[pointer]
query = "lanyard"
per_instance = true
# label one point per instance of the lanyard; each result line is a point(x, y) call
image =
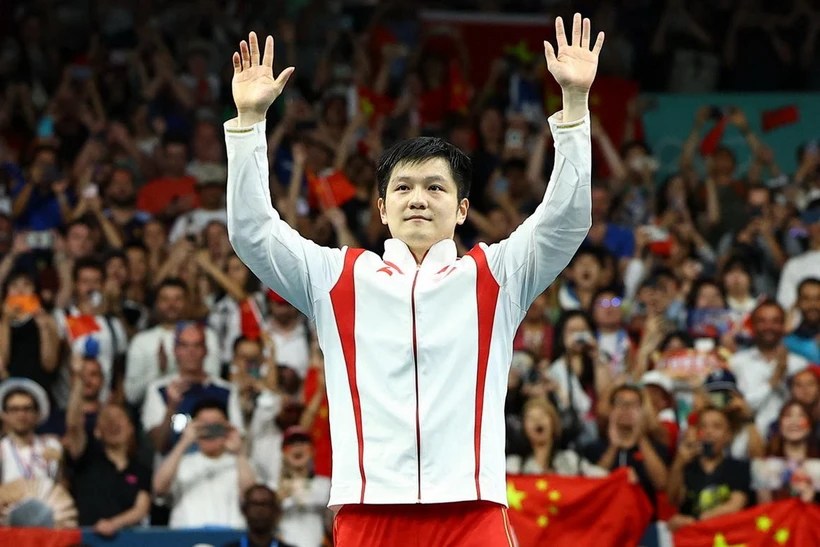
point(26, 469)
point(244, 542)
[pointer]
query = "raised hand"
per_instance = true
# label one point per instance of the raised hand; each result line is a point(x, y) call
point(254, 86)
point(575, 65)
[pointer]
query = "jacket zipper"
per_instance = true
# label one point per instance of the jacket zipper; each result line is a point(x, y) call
point(416, 363)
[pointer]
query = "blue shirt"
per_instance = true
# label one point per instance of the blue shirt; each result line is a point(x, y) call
point(619, 241)
point(42, 211)
point(804, 346)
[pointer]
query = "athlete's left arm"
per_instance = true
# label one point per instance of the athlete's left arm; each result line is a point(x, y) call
point(532, 257)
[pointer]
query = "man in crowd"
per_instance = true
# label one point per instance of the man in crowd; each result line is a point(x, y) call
point(805, 339)
point(206, 485)
point(262, 511)
point(763, 369)
point(151, 354)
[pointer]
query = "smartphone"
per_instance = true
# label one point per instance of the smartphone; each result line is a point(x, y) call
point(213, 431)
point(45, 128)
point(91, 191)
point(95, 298)
point(26, 304)
point(720, 399)
point(707, 450)
point(655, 234)
point(514, 139)
point(583, 337)
point(40, 240)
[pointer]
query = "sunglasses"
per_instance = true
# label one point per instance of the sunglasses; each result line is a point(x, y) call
point(610, 302)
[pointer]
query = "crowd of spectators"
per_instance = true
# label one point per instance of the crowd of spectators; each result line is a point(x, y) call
point(147, 370)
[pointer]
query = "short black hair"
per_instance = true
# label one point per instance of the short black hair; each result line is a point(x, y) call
point(77, 222)
point(420, 149)
point(88, 264)
point(243, 338)
point(20, 391)
point(173, 282)
point(209, 404)
point(806, 282)
point(625, 387)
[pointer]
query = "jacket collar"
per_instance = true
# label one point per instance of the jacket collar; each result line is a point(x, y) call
point(440, 255)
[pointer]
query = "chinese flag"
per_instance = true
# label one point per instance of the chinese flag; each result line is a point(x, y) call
point(788, 523)
point(250, 319)
point(459, 90)
point(712, 139)
point(576, 511)
point(780, 117)
point(320, 428)
point(81, 325)
point(39, 537)
point(329, 190)
point(373, 104)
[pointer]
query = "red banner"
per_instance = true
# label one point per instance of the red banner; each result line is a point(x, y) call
point(575, 511)
point(36, 537)
point(789, 523)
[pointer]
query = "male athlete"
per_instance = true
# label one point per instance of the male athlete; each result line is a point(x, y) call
point(417, 342)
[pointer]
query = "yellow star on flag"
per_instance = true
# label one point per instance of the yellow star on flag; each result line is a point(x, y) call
point(542, 485)
point(553, 510)
point(720, 541)
point(555, 495)
point(781, 536)
point(764, 523)
point(543, 521)
point(515, 497)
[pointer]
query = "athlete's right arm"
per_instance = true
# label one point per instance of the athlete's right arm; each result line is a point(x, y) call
point(282, 259)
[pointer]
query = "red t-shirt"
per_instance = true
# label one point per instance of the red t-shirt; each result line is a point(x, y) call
point(161, 192)
point(320, 430)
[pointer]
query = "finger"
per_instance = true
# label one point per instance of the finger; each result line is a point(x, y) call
point(246, 54)
point(576, 30)
point(586, 32)
point(254, 43)
point(599, 43)
point(284, 76)
point(560, 34)
point(549, 53)
point(267, 59)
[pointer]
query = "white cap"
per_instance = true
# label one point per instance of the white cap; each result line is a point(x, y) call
point(658, 378)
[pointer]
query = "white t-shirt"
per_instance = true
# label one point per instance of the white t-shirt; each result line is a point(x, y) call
point(303, 513)
point(193, 222)
point(41, 460)
point(205, 492)
point(266, 439)
point(293, 348)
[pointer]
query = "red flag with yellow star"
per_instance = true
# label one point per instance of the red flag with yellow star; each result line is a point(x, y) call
point(576, 511)
point(788, 523)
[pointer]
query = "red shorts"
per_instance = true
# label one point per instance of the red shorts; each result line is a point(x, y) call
point(463, 524)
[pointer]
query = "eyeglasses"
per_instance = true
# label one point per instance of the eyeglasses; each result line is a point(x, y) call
point(610, 302)
point(20, 409)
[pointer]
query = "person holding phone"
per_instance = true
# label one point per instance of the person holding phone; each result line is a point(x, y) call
point(704, 482)
point(206, 484)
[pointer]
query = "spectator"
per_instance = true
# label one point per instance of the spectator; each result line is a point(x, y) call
point(291, 335)
point(660, 390)
point(29, 340)
point(803, 266)
point(542, 428)
point(805, 339)
point(174, 192)
point(303, 495)
point(535, 332)
point(111, 489)
point(43, 201)
point(805, 388)
point(783, 474)
point(763, 369)
point(151, 354)
point(628, 444)
point(262, 511)
point(211, 191)
point(704, 482)
point(171, 400)
point(24, 454)
point(121, 198)
point(88, 329)
point(584, 274)
point(206, 485)
point(614, 343)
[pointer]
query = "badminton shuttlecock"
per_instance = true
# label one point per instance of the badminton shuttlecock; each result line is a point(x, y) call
point(37, 502)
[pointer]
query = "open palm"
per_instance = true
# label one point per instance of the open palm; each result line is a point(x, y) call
point(575, 65)
point(254, 87)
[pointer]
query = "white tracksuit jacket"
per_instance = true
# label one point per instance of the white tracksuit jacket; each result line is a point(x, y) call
point(416, 356)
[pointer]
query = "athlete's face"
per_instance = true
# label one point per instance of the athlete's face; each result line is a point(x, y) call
point(421, 205)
